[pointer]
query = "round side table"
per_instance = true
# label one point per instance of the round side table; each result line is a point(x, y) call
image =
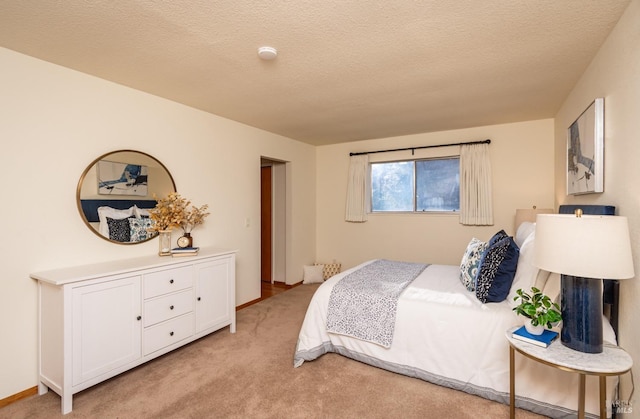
point(612, 361)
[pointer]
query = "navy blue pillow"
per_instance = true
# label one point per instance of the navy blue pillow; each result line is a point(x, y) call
point(497, 270)
point(497, 237)
point(493, 240)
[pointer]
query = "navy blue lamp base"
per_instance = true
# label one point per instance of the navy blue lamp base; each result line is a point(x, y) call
point(581, 314)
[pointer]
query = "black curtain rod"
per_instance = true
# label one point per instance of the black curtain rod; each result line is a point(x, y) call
point(417, 148)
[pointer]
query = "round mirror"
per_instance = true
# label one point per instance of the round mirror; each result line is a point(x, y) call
point(116, 191)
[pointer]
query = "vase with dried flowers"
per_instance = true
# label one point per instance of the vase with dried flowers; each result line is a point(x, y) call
point(173, 211)
point(165, 216)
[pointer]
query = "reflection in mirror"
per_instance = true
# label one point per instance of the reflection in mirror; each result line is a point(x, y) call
point(116, 191)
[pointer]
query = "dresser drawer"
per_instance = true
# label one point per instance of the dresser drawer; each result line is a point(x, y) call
point(167, 333)
point(168, 306)
point(169, 280)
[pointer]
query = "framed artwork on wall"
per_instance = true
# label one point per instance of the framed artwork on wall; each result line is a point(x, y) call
point(115, 178)
point(585, 151)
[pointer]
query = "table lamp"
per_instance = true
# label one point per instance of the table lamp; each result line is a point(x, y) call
point(584, 249)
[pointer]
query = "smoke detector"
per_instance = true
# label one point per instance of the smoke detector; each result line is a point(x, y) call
point(267, 53)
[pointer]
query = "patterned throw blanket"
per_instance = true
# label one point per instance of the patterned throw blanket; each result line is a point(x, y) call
point(363, 304)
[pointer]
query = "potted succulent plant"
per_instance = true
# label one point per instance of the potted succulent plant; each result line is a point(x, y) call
point(538, 308)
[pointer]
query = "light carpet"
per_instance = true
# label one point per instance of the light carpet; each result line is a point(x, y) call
point(250, 374)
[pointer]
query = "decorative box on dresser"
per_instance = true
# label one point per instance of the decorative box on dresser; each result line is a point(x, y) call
point(97, 321)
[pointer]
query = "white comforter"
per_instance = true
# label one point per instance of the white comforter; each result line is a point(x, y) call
point(444, 335)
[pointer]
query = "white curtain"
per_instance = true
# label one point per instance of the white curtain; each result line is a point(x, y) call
point(357, 189)
point(476, 206)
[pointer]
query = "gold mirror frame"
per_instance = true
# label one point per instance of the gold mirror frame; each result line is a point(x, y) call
point(160, 183)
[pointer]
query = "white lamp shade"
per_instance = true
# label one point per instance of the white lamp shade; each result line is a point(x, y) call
point(589, 246)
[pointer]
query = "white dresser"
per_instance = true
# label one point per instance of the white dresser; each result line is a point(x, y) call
point(97, 321)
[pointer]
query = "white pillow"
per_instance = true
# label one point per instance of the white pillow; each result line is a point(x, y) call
point(312, 274)
point(525, 229)
point(541, 279)
point(526, 272)
point(608, 334)
point(552, 287)
point(116, 214)
point(140, 212)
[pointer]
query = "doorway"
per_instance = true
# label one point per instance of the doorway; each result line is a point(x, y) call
point(272, 221)
point(266, 225)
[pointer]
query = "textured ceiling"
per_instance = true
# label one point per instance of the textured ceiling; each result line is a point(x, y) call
point(346, 69)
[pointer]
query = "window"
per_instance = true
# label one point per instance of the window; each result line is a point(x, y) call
point(431, 185)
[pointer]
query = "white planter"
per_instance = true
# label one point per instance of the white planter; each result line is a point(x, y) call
point(534, 330)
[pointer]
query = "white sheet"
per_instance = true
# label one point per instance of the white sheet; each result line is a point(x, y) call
point(446, 336)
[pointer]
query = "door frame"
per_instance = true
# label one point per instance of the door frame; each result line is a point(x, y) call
point(280, 219)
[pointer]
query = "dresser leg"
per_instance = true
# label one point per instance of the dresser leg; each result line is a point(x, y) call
point(42, 388)
point(67, 403)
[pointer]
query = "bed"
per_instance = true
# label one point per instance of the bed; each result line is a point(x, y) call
point(445, 335)
point(121, 220)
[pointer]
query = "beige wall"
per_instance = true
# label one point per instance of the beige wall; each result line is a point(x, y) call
point(522, 167)
point(55, 121)
point(614, 74)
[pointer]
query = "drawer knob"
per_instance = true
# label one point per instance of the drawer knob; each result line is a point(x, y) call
point(139, 318)
point(170, 307)
point(170, 333)
point(199, 298)
point(171, 281)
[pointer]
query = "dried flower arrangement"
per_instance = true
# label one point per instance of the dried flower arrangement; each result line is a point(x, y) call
point(173, 211)
point(192, 217)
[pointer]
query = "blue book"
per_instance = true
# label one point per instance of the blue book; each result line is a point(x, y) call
point(543, 340)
